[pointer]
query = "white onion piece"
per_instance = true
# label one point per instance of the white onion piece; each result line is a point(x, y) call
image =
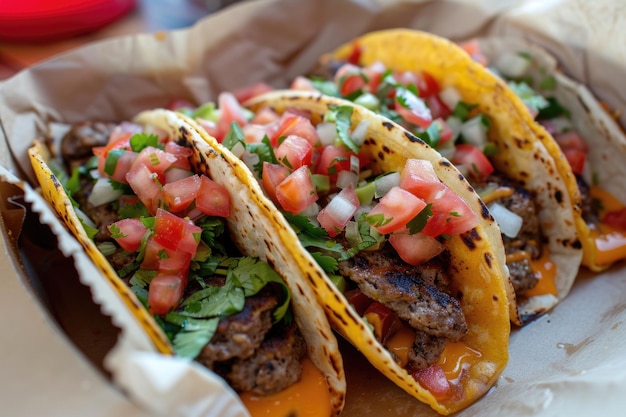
point(238, 149)
point(175, 174)
point(311, 211)
point(345, 178)
point(250, 159)
point(474, 132)
point(359, 133)
point(94, 173)
point(455, 124)
point(510, 223)
point(327, 132)
point(386, 183)
point(85, 218)
point(103, 193)
point(352, 233)
point(362, 209)
point(450, 96)
point(512, 65)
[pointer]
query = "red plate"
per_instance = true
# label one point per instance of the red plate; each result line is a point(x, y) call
point(45, 20)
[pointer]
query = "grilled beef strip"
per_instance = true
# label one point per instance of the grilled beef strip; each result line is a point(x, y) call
point(247, 349)
point(418, 295)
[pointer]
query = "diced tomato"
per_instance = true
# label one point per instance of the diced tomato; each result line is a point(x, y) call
point(294, 151)
point(246, 93)
point(153, 254)
point(332, 160)
point(438, 109)
point(474, 159)
point(302, 83)
point(254, 133)
point(182, 154)
point(175, 233)
point(576, 159)
point(381, 317)
point(445, 132)
point(412, 108)
point(265, 116)
point(119, 139)
point(349, 79)
point(374, 74)
point(128, 234)
point(156, 160)
point(472, 47)
point(273, 174)
point(397, 207)
point(434, 380)
point(164, 293)
point(178, 195)
point(419, 178)
point(334, 217)
point(616, 219)
point(294, 124)
point(209, 127)
point(213, 199)
point(358, 300)
point(146, 186)
point(176, 264)
point(416, 248)
point(355, 54)
point(426, 84)
point(230, 111)
point(451, 215)
point(122, 162)
point(174, 174)
point(297, 191)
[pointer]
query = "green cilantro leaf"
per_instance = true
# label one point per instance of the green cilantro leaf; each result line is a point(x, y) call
point(418, 222)
point(235, 135)
point(193, 335)
point(462, 110)
point(140, 141)
point(343, 123)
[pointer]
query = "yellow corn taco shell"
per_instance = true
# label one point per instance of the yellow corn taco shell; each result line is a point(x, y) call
point(252, 230)
point(475, 264)
point(605, 140)
point(524, 154)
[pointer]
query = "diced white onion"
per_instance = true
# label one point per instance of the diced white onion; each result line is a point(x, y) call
point(363, 208)
point(174, 174)
point(450, 96)
point(359, 133)
point(474, 132)
point(250, 159)
point(103, 193)
point(368, 100)
point(94, 173)
point(510, 223)
point(340, 209)
point(311, 211)
point(85, 218)
point(512, 65)
point(345, 178)
point(326, 131)
point(386, 183)
point(455, 124)
point(238, 149)
point(352, 233)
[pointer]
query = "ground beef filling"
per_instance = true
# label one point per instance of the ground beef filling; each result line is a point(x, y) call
point(248, 350)
point(420, 296)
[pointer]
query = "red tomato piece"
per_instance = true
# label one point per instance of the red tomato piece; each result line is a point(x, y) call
point(175, 233)
point(129, 233)
point(438, 109)
point(332, 160)
point(474, 159)
point(451, 215)
point(412, 108)
point(176, 264)
point(616, 219)
point(419, 178)
point(358, 300)
point(230, 111)
point(164, 293)
point(254, 133)
point(294, 152)
point(472, 47)
point(122, 166)
point(153, 254)
point(349, 79)
point(397, 207)
point(416, 248)
point(434, 380)
point(355, 53)
point(445, 131)
point(295, 124)
point(265, 116)
point(273, 174)
point(334, 217)
point(571, 140)
point(576, 159)
point(156, 160)
point(213, 199)
point(374, 74)
point(297, 191)
point(146, 186)
point(178, 195)
point(246, 93)
point(381, 317)
point(302, 83)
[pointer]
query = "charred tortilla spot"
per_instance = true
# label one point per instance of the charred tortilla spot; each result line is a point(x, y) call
point(487, 257)
point(414, 138)
point(381, 155)
point(445, 163)
point(386, 149)
point(339, 317)
point(388, 125)
point(524, 174)
point(495, 298)
point(484, 210)
point(470, 238)
point(558, 195)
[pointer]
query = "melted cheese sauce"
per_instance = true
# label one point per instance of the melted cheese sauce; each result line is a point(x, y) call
point(456, 358)
point(308, 397)
point(400, 343)
point(610, 242)
point(545, 270)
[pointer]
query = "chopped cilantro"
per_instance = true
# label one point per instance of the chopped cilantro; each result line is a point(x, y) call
point(116, 233)
point(552, 110)
point(235, 135)
point(418, 222)
point(462, 110)
point(140, 141)
point(342, 116)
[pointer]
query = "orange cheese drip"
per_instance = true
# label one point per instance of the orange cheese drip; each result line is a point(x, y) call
point(610, 242)
point(400, 343)
point(545, 270)
point(496, 194)
point(456, 357)
point(309, 397)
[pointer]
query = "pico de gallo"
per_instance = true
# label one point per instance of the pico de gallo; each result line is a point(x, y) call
point(163, 227)
point(360, 227)
point(605, 216)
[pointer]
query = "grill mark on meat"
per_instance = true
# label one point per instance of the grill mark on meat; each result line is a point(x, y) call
point(417, 294)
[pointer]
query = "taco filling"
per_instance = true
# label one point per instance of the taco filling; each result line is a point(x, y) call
point(538, 88)
point(379, 236)
point(459, 133)
point(163, 228)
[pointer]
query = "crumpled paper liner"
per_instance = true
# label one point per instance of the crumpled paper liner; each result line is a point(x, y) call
point(570, 361)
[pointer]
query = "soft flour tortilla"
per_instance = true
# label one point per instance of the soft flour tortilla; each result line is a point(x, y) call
point(251, 230)
point(607, 142)
point(475, 263)
point(523, 153)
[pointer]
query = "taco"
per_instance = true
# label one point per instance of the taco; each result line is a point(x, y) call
point(176, 226)
point(589, 138)
point(432, 88)
point(393, 238)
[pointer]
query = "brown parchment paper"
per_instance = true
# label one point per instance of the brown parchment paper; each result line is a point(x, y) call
point(570, 362)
